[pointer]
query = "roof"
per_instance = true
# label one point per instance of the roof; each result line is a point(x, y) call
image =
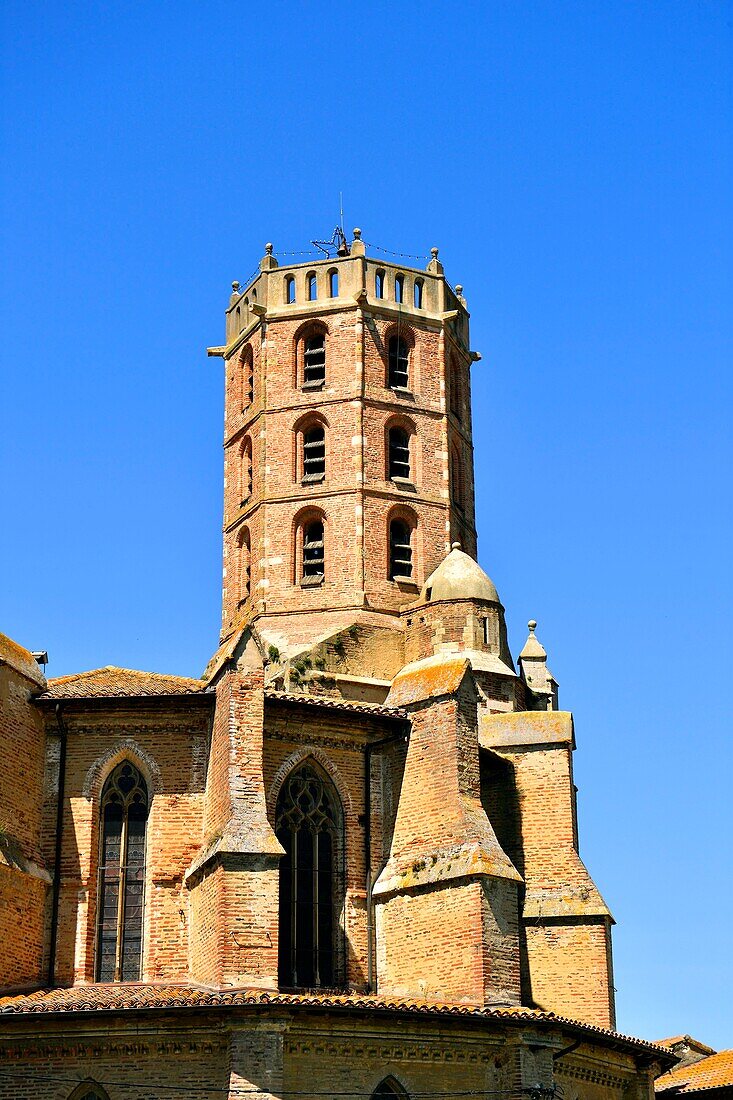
point(533, 648)
point(330, 702)
point(111, 682)
point(21, 660)
point(428, 679)
point(713, 1072)
point(688, 1041)
point(116, 997)
point(459, 577)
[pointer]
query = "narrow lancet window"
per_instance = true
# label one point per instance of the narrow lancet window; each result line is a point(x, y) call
point(399, 453)
point(400, 550)
point(418, 294)
point(124, 816)
point(333, 284)
point(379, 284)
point(399, 288)
point(398, 354)
point(313, 550)
point(289, 289)
point(312, 284)
point(314, 453)
point(314, 360)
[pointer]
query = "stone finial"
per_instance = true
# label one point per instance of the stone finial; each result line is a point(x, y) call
point(435, 267)
point(455, 546)
point(235, 286)
point(358, 247)
point(234, 296)
point(459, 289)
point(357, 234)
point(536, 674)
point(268, 261)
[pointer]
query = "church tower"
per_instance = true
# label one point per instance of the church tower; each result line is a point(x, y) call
point(348, 448)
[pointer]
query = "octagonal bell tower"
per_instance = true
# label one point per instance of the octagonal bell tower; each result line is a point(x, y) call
point(347, 441)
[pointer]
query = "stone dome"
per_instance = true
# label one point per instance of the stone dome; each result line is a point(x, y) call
point(458, 577)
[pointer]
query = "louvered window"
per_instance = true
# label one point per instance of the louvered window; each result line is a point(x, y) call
point(399, 363)
point(314, 454)
point(399, 453)
point(313, 550)
point(306, 823)
point(400, 550)
point(314, 360)
point(124, 816)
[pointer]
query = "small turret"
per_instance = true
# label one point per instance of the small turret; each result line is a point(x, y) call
point(541, 683)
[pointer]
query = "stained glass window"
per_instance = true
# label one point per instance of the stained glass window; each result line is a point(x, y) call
point(124, 815)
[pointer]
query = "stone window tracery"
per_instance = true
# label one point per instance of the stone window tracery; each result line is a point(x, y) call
point(120, 896)
point(308, 825)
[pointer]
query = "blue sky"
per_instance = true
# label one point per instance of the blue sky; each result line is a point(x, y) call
point(573, 163)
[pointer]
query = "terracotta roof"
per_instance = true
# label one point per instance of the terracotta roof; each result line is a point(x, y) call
point(115, 997)
point(332, 703)
point(714, 1072)
point(695, 1044)
point(20, 659)
point(110, 682)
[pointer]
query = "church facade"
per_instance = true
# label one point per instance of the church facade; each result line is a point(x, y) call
point(344, 861)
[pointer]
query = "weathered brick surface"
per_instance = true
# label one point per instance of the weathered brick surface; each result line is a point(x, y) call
point(457, 874)
point(355, 405)
point(169, 747)
point(23, 879)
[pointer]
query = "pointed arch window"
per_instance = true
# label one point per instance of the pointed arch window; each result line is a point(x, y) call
point(123, 825)
point(398, 366)
point(89, 1090)
point(389, 1089)
point(400, 550)
point(308, 825)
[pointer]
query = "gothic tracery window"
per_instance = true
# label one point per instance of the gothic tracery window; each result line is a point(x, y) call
point(89, 1090)
point(389, 1089)
point(123, 822)
point(308, 825)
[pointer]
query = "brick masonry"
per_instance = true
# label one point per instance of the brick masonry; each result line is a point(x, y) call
point(456, 878)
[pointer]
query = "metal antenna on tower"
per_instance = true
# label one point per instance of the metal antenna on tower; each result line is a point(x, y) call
point(337, 244)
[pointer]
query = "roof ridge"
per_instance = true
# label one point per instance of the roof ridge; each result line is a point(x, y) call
point(120, 668)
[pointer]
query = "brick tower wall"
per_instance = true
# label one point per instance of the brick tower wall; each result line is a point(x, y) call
point(267, 407)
